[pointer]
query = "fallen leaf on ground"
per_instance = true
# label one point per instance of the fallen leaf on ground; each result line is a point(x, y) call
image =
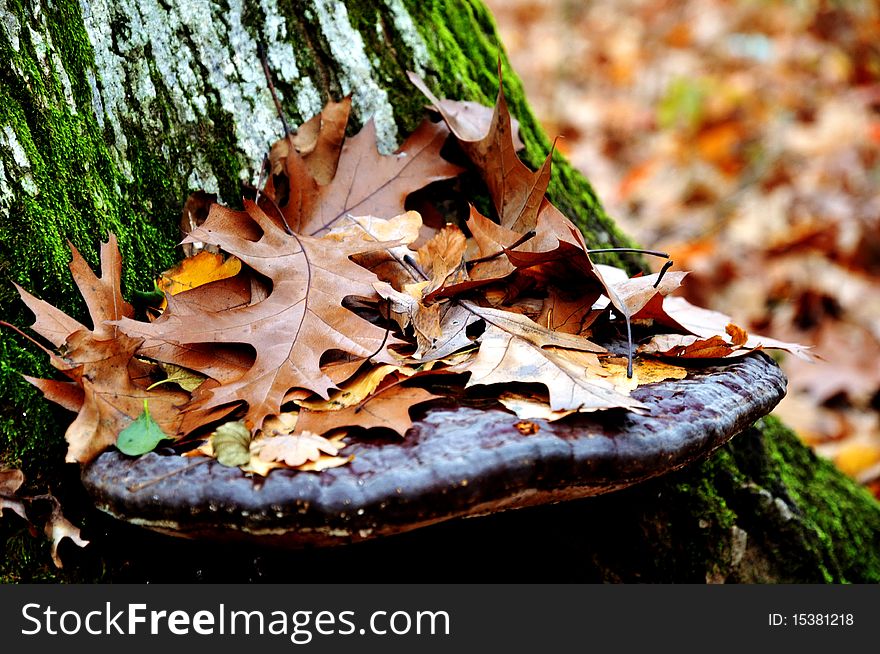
point(365, 183)
point(300, 320)
point(318, 141)
point(678, 313)
point(645, 371)
point(516, 191)
point(58, 528)
point(101, 363)
point(10, 482)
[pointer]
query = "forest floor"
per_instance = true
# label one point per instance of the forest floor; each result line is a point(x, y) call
point(743, 137)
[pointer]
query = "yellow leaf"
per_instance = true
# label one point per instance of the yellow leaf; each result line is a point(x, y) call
point(186, 379)
point(645, 371)
point(279, 425)
point(196, 271)
point(853, 458)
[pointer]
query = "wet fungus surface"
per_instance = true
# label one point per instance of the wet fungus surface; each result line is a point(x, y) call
point(456, 461)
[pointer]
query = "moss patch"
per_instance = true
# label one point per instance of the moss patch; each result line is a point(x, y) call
point(465, 50)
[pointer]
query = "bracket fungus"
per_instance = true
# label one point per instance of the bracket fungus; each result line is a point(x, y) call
point(455, 462)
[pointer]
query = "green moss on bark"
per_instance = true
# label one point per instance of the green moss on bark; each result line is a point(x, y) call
point(764, 508)
point(465, 50)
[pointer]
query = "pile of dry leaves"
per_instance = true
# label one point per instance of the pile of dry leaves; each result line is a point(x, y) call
point(743, 138)
point(324, 307)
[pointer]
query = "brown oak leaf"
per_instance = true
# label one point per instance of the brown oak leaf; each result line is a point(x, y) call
point(516, 349)
point(58, 528)
point(301, 319)
point(678, 313)
point(388, 406)
point(108, 386)
point(516, 191)
point(318, 141)
point(365, 183)
point(107, 373)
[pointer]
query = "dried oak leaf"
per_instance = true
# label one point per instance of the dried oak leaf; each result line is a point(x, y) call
point(440, 329)
point(263, 467)
point(471, 120)
point(301, 319)
point(516, 191)
point(645, 371)
point(636, 292)
point(103, 298)
point(441, 259)
point(318, 141)
point(678, 313)
point(688, 346)
point(223, 363)
point(357, 389)
point(408, 311)
point(57, 527)
point(388, 264)
point(516, 349)
point(567, 312)
point(109, 384)
point(365, 183)
point(296, 449)
point(529, 407)
point(195, 210)
point(111, 397)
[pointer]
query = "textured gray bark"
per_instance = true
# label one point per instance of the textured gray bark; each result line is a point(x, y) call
point(112, 112)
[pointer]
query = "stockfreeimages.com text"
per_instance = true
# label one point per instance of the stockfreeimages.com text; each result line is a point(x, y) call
point(300, 626)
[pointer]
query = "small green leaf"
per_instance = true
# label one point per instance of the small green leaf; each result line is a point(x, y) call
point(231, 444)
point(141, 436)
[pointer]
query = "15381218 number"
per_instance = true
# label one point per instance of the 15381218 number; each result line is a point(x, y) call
point(822, 619)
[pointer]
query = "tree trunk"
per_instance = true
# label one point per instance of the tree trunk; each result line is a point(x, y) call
point(113, 112)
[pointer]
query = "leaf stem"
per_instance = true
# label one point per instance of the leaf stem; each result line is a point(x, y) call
point(666, 266)
point(261, 53)
point(525, 237)
point(263, 168)
point(653, 253)
point(629, 349)
point(412, 263)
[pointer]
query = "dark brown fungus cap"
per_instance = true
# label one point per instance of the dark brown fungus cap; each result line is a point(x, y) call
point(454, 462)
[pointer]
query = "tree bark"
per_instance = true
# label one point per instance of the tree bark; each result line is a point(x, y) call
point(113, 112)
